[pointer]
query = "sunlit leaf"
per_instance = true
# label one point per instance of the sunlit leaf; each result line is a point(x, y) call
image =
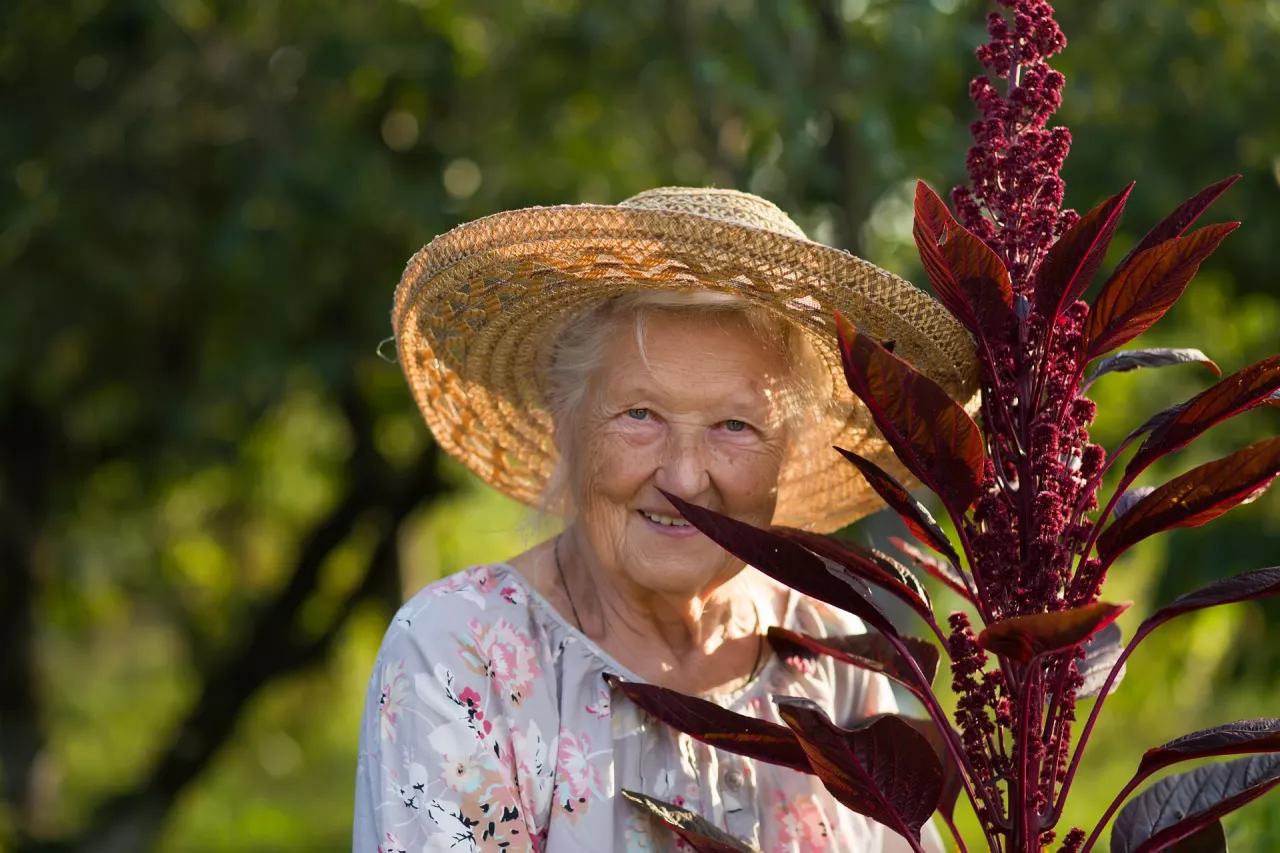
point(884, 769)
point(1176, 427)
point(1022, 638)
point(716, 726)
point(1073, 261)
point(1138, 295)
point(968, 277)
point(1198, 496)
point(914, 514)
point(700, 834)
point(1180, 220)
point(931, 434)
point(1180, 805)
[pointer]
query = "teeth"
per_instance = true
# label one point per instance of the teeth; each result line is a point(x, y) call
point(665, 519)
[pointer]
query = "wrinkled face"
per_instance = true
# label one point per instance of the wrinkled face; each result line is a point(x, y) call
point(691, 415)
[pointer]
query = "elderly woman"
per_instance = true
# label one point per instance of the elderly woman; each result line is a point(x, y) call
point(587, 359)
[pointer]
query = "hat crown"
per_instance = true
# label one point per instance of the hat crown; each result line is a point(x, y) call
point(731, 206)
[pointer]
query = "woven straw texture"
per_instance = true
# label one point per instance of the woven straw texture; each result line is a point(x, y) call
point(478, 307)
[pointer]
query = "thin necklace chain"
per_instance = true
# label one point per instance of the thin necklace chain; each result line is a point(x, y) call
point(755, 667)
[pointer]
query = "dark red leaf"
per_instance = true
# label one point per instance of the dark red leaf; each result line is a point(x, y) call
point(1198, 496)
point(914, 514)
point(1176, 427)
point(788, 563)
point(1211, 838)
point(1021, 638)
point(931, 434)
point(1073, 261)
point(867, 564)
point(1243, 737)
point(952, 778)
point(1133, 359)
point(1178, 806)
point(968, 277)
point(1248, 586)
point(1181, 219)
point(945, 572)
point(699, 833)
point(866, 651)
point(1135, 297)
point(715, 726)
point(884, 769)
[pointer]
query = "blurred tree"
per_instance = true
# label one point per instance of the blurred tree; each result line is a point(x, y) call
point(209, 484)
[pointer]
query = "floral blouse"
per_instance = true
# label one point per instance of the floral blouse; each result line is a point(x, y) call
point(488, 727)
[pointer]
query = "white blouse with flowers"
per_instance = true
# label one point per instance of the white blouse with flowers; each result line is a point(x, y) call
point(488, 727)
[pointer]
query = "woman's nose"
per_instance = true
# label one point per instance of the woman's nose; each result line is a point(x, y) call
point(683, 469)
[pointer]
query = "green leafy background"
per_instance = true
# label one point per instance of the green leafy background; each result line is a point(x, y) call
point(213, 492)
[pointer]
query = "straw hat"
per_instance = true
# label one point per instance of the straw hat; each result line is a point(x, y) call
point(478, 308)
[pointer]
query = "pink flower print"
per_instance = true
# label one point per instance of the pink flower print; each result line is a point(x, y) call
point(512, 594)
point(600, 708)
point(801, 825)
point(392, 845)
point(578, 781)
point(395, 686)
point(503, 653)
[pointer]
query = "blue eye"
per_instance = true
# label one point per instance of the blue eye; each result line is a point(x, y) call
point(638, 414)
point(734, 426)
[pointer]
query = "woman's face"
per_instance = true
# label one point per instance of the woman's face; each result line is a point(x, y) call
point(691, 416)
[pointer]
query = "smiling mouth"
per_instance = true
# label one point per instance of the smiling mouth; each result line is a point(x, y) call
point(665, 520)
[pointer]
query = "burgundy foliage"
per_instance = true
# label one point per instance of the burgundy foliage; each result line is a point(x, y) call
point(1019, 484)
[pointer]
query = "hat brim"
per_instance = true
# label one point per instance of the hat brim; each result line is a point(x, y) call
point(477, 307)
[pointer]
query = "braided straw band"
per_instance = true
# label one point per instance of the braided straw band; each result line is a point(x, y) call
point(478, 308)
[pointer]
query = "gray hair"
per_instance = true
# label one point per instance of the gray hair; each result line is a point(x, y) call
point(803, 400)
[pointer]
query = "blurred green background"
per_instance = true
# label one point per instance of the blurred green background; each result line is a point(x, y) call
point(213, 492)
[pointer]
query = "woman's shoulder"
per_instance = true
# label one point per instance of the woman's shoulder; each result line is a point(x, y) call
point(468, 604)
point(475, 625)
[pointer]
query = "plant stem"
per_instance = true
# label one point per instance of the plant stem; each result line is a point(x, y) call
point(1088, 726)
point(950, 820)
point(967, 775)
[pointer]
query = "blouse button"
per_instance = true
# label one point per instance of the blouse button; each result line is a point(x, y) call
point(733, 779)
